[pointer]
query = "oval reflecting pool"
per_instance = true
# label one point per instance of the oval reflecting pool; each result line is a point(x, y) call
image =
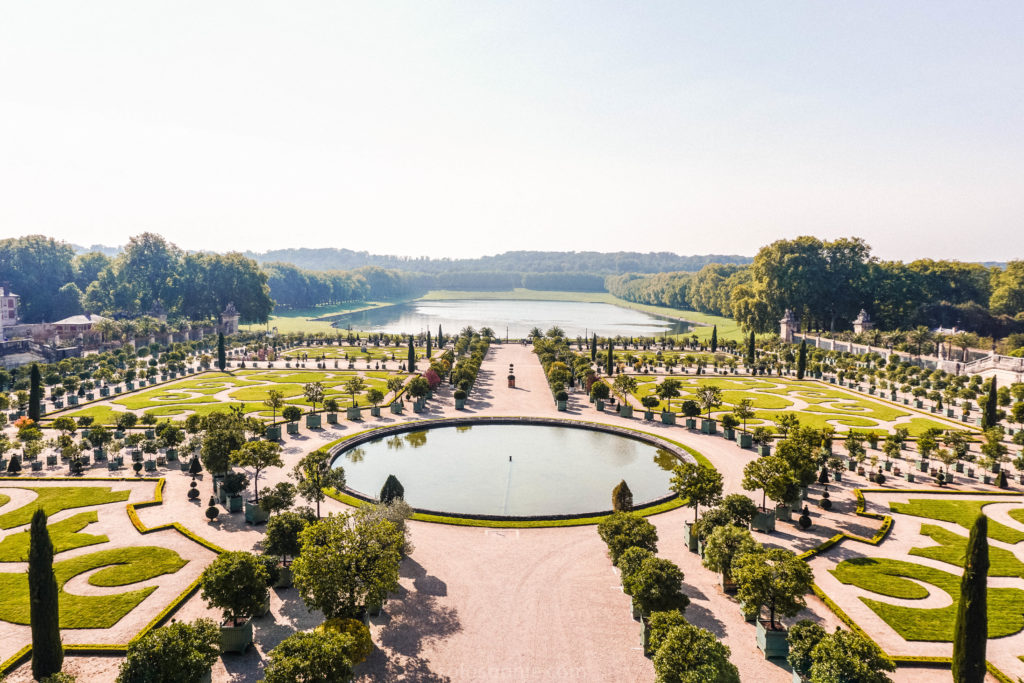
point(513, 470)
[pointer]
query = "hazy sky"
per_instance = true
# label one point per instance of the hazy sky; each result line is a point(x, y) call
point(469, 128)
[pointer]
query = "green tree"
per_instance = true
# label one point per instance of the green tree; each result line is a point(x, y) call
point(772, 475)
point(593, 349)
point(709, 397)
point(847, 657)
point(274, 401)
point(623, 530)
point(744, 410)
point(724, 545)
point(697, 484)
point(282, 537)
point(622, 497)
point(47, 651)
point(258, 455)
point(668, 390)
point(624, 385)
point(429, 351)
point(801, 360)
point(774, 578)
point(347, 562)
point(314, 393)
point(688, 654)
point(970, 634)
point(714, 338)
point(353, 386)
point(656, 586)
point(224, 434)
point(610, 358)
point(750, 351)
point(222, 359)
point(392, 490)
point(35, 394)
point(411, 359)
point(989, 415)
point(803, 637)
point(179, 653)
point(313, 473)
point(309, 656)
point(235, 582)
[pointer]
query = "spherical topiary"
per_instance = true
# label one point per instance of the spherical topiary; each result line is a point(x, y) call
point(212, 511)
point(562, 395)
point(193, 492)
point(805, 519)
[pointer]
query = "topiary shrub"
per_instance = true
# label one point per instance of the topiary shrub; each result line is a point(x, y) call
point(805, 519)
point(460, 394)
point(690, 408)
point(623, 530)
point(193, 492)
point(212, 511)
point(181, 652)
point(562, 395)
point(656, 586)
point(622, 497)
point(391, 490)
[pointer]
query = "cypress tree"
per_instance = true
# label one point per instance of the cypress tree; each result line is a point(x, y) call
point(971, 631)
point(988, 417)
point(801, 361)
point(47, 651)
point(593, 349)
point(714, 338)
point(750, 351)
point(391, 490)
point(428, 345)
point(611, 357)
point(622, 498)
point(411, 360)
point(35, 394)
point(222, 356)
point(440, 338)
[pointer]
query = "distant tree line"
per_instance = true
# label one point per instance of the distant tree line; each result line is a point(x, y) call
point(826, 283)
point(508, 263)
point(54, 283)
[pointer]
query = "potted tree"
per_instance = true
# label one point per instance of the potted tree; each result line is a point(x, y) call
point(331, 407)
point(624, 386)
point(690, 411)
point(352, 387)
point(774, 477)
point(722, 546)
point(375, 396)
point(777, 579)
point(418, 389)
point(656, 585)
point(257, 455)
point(460, 399)
point(803, 637)
point(230, 490)
point(709, 397)
point(274, 401)
point(729, 424)
point(282, 540)
point(649, 402)
point(181, 651)
point(291, 414)
point(395, 386)
point(600, 392)
point(236, 583)
point(314, 393)
point(698, 485)
point(666, 391)
point(762, 436)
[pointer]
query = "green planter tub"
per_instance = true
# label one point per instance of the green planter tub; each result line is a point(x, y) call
point(353, 413)
point(312, 421)
point(625, 410)
point(273, 433)
point(236, 638)
point(254, 514)
point(774, 644)
point(292, 427)
point(668, 417)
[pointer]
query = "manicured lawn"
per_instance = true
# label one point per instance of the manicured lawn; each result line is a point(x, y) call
point(53, 499)
point(892, 578)
point(64, 535)
point(120, 567)
point(4, 500)
point(952, 549)
point(962, 512)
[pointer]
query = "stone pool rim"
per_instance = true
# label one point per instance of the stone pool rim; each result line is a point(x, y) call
point(375, 433)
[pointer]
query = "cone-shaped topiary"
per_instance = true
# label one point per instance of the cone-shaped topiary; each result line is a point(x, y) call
point(222, 358)
point(391, 490)
point(622, 497)
point(970, 633)
point(801, 361)
point(35, 394)
point(47, 651)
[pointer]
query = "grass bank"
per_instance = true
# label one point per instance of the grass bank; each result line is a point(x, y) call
point(310, 320)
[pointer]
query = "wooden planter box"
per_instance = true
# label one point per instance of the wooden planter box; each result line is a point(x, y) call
point(312, 421)
point(668, 418)
point(332, 418)
point(149, 465)
point(765, 450)
point(272, 433)
point(396, 407)
point(649, 415)
point(254, 514)
point(625, 410)
point(353, 413)
point(729, 434)
point(689, 536)
point(744, 439)
point(599, 404)
point(764, 521)
point(783, 513)
point(708, 426)
point(774, 643)
point(292, 427)
point(236, 638)
point(234, 503)
point(691, 423)
point(375, 411)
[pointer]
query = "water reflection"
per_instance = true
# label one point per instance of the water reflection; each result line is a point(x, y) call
point(416, 439)
point(666, 460)
point(394, 443)
point(355, 455)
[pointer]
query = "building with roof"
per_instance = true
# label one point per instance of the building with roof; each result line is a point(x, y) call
point(76, 325)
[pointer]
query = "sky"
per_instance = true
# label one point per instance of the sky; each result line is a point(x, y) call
point(469, 128)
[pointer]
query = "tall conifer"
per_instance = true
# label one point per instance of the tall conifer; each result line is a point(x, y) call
point(222, 356)
point(35, 394)
point(801, 361)
point(44, 616)
point(411, 360)
point(970, 634)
